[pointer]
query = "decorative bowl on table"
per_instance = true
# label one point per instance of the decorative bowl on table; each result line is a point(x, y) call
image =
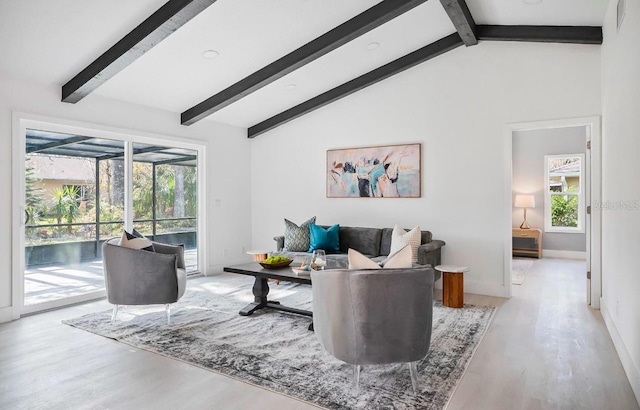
point(275, 265)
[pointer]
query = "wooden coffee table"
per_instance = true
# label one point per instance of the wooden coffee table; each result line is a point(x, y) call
point(261, 287)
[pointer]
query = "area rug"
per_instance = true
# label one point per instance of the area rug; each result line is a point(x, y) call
point(276, 351)
point(519, 269)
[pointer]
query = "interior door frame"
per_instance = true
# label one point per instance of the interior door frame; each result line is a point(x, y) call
point(20, 123)
point(593, 192)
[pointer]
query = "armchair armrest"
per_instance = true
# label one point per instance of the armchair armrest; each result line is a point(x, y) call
point(429, 253)
point(167, 249)
point(279, 242)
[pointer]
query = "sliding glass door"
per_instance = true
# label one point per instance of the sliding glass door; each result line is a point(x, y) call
point(78, 193)
point(165, 197)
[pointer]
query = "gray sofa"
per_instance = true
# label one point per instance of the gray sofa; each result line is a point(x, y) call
point(376, 244)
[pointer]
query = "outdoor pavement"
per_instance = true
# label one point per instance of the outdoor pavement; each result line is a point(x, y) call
point(54, 282)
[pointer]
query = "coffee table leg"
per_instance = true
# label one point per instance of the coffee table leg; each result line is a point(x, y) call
point(260, 292)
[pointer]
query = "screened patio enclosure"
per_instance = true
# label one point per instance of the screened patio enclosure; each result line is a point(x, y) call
point(75, 200)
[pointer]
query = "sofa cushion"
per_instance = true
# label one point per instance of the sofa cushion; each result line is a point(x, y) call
point(296, 238)
point(401, 238)
point(364, 240)
point(326, 239)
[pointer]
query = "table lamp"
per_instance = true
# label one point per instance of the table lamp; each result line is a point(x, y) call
point(525, 201)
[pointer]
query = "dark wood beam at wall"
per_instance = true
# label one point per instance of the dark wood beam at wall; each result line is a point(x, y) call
point(331, 40)
point(167, 19)
point(462, 20)
point(397, 66)
point(542, 34)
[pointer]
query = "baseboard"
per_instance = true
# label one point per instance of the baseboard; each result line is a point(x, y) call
point(551, 253)
point(483, 288)
point(218, 268)
point(633, 374)
point(6, 314)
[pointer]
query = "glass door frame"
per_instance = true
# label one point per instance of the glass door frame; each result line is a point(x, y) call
point(22, 122)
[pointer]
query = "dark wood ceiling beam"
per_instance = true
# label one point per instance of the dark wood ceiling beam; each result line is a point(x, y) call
point(397, 66)
point(542, 34)
point(462, 20)
point(331, 40)
point(167, 19)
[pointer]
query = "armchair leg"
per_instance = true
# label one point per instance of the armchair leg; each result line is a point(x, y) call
point(356, 379)
point(413, 370)
point(114, 313)
point(167, 309)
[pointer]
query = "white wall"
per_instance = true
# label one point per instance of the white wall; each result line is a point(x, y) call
point(529, 149)
point(456, 106)
point(229, 225)
point(621, 186)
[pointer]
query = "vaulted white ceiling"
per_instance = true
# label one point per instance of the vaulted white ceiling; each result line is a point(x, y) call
point(49, 41)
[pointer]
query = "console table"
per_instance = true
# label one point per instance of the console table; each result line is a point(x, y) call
point(527, 242)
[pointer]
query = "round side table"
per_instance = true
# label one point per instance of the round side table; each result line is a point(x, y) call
point(258, 256)
point(452, 285)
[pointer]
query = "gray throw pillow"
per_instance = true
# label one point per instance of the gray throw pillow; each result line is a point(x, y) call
point(296, 238)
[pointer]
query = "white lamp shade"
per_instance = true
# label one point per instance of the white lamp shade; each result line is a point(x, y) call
point(525, 201)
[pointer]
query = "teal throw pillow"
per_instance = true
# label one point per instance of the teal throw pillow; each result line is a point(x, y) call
point(296, 238)
point(326, 239)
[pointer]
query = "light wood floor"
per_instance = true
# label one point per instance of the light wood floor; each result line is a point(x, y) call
point(544, 350)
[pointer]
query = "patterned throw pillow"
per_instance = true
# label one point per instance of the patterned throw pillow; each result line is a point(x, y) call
point(400, 238)
point(296, 238)
point(134, 242)
point(399, 260)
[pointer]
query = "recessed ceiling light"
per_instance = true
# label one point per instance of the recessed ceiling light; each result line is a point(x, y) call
point(532, 2)
point(373, 45)
point(290, 87)
point(210, 54)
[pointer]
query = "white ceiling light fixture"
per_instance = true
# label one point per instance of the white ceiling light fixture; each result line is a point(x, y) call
point(210, 54)
point(373, 45)
point(532, 2)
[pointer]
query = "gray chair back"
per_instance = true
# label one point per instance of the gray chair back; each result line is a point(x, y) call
point(373, 316)
point(136, 277)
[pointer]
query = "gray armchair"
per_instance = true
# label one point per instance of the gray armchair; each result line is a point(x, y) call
point(137, 277)
point(374, 316)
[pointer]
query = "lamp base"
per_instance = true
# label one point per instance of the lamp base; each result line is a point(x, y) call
point(525, 225)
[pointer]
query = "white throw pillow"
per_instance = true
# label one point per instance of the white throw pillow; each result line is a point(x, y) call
point(399, 260)
point(400, 238)
point(359, 261)
point(129, 241)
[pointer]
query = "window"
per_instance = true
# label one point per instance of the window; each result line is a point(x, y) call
point(564, 193)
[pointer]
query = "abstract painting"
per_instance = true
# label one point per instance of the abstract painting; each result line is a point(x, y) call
point(390, 171)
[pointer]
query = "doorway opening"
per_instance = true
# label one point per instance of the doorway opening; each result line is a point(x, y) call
point(553, 177)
